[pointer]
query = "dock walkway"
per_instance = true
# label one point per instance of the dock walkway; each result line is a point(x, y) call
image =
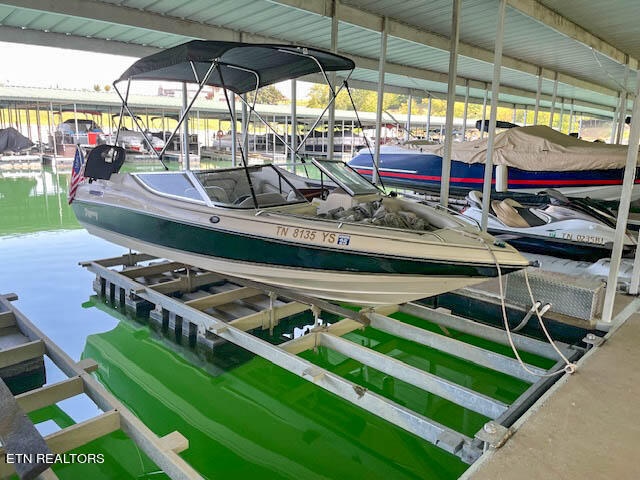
point(586, 426)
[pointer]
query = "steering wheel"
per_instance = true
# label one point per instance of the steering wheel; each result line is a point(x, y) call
point(240, 199)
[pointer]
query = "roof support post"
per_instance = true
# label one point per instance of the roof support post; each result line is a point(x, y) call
point(234, 133)
point(52, 131)
point(245, 127)
point(185, 128)
point(553, 99)
point(451, 102)
point(332, 79)
point(620, 120)
point(407, 133)
point(495, 87)
point(38, 126)
point(383, 60)
point(623, 105)
point(524, 116)
point(428, 126)
point(571, 117)
point(484, 110)
point(561, 114)
point(294, 121)
point(465, 112)
point(538, 94)
point(623, 217)
point(75, 120)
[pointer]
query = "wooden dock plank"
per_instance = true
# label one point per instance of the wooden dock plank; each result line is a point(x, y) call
point(262, 318)
point(18, 435)
point(155, 269)
point(126, 259)
point(169, 461)
point(186, 283)
point(84, 432)
point(307, 342)
point(20, 353)
point(50, 394)
point(7, 319)
point(221, 298)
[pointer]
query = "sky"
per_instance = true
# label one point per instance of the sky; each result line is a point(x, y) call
point(36, 66)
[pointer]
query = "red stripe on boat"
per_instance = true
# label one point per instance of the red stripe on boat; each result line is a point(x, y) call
point(511, 182)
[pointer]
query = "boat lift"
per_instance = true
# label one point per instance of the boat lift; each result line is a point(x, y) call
point(214, 308)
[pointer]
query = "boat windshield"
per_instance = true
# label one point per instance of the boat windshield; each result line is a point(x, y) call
point(230, 187)
point(346, 177)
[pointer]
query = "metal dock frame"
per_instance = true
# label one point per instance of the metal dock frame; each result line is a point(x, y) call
point(162, 450)
point(132, 283)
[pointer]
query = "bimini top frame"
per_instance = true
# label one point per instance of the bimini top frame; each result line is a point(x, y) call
point(235, 66)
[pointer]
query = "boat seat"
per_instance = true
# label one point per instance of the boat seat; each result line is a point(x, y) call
point(217, 194)
point(474, 196)
point(264, 200)
point(508, 215)
point(103, 161)
point(531, 218)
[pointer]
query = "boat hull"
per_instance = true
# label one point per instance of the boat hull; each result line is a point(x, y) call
point(424, 171)
point(373, 289)
point(340, 276)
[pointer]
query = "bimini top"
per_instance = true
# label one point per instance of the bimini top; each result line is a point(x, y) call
point(239, 65)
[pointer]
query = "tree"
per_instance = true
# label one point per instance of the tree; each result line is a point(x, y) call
point(107, 88)
point(97, 87)
point(364, 100)
point(268, 95)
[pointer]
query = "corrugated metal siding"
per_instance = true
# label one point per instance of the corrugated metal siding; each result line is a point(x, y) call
point(524, 38)
point(615, 22)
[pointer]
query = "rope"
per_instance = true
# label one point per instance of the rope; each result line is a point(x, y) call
point(569, 367)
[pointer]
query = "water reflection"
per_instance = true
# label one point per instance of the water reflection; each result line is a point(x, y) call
point(256, 420)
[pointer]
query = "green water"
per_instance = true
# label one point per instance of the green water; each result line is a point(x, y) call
point(244, 417)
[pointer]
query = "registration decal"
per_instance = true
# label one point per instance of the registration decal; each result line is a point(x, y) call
point(312, 235)
point(343, 239)
point(583, 238)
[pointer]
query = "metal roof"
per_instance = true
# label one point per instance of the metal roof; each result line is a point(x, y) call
point(585, 43)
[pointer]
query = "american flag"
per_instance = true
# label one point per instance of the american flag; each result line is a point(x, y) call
point(77, 174)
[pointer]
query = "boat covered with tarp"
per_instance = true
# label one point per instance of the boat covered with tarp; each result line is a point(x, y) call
point(532, 158)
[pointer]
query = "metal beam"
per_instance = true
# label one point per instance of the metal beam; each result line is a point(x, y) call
point(371, 21)
point(75, 42)
point(451, 346)
point(495, 87)
point(451, 101)
point(537, 11)
point(623, 214)
point(493, 334)
point(379, 104)
point(414, 376)
point(332, 80)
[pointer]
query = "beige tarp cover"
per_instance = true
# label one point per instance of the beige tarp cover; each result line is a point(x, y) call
point(538, 148)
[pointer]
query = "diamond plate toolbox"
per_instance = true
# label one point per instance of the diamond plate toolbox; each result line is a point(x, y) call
point(577, 297)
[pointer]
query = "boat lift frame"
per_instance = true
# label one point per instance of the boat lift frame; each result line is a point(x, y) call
point(131, 281)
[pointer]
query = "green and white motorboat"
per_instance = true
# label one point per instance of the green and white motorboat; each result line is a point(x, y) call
point(332, 235)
